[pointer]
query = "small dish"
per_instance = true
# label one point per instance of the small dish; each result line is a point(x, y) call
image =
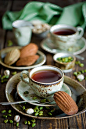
point(77, 48)
point(39, 62)
point(42, 35)
point(69, 64)
point(40, 29)
point(23, 87)
point(78, 93)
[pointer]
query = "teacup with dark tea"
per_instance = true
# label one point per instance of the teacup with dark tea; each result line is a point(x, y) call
point(44, 80)
point(65, 36)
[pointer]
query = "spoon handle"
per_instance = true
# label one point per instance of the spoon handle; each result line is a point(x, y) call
point(79, 57)
point(8, 103)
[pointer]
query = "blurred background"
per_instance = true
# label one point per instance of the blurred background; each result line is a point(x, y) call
point(19, 4)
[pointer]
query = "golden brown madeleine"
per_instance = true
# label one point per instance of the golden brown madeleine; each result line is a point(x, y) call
point(28, 50)
point(27, 61)
point(12, 56)
point(65, 103)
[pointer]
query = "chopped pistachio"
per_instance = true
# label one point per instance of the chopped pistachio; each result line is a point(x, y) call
point(82, 71)
point(25, 122)
point(77, 62)
point(79, 80)
point(36, 108)
point(4, 80)
point(41, 108)
point(26, 92)
point(4, 111)
point(9, 115)
point(6, 121)
point(43, 100)
point(9, 111)
point(17, 124)
point(11, 121)
point(6, 76)
point(79, 72)
point(50, 113)
point(81, 65)
point(23, 107)
point(3, 77)
point(28, 122)
point(9, 43)
point(75, 73)
point(33, 124)
point(34, 98)
point(5, 116)
point(36, 114)
point(14, 73)
point(33, 120)
point(52, 110)
point(41, 112)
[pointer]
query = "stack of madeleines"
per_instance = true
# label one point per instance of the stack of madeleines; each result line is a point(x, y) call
point(25, 56)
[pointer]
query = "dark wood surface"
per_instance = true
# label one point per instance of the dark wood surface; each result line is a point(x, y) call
point(78, 122)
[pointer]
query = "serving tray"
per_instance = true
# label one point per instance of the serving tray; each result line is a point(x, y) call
point(77, 90)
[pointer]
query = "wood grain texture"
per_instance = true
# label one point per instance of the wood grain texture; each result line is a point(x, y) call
point(78, 122)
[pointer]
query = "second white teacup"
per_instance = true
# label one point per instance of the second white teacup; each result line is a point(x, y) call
point(65, 36)
point(44, 80)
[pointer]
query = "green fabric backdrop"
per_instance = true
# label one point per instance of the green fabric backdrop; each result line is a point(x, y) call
point(74, 15)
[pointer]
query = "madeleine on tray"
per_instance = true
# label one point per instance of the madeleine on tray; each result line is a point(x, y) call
point(65, 103)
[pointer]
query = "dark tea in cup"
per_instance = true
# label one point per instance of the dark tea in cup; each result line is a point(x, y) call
point(64, 32)
point(65, 36)
point(46, 76)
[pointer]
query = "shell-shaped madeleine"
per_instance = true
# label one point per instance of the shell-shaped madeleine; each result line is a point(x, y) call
point(27, 61)
point(29, 50)
point(65, 103)
point(12, 56)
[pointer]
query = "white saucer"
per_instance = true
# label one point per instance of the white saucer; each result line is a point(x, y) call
point(22, 87)
point(78, 48)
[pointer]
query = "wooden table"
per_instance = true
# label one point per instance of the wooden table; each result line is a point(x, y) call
point(78, 122)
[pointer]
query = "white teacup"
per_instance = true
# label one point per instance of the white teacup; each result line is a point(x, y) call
point(50, 82)
point(65, 36)
point(22, 32)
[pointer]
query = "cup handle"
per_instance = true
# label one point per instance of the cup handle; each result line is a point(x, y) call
point(80, 31)
point(22, 76)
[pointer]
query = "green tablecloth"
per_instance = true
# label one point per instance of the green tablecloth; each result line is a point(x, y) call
point(74, 15)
